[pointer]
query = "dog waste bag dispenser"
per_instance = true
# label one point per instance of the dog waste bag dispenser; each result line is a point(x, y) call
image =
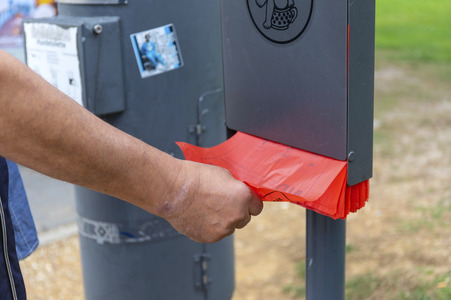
point(152, 69)
point(300, 73)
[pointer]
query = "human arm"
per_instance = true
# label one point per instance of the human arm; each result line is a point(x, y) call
point(43, 129)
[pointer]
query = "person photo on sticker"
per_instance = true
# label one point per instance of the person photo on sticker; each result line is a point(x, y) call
point(149, 55)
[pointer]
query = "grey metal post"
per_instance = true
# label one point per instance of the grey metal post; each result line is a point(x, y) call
point(126, 252)
point(325, 259)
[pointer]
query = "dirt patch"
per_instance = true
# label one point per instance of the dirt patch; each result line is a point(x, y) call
point(53, 272)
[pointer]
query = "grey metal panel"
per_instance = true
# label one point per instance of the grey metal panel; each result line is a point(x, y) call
point(361, 90)
point(295, 93)
point(102, 65)
point(140, 272)
point(211, 118)
point(159, 110)
point(221, 266)
point(100, 61)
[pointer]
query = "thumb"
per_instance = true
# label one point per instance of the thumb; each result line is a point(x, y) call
point(255, 202)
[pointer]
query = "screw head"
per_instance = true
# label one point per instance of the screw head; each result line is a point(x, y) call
point(352, 156)
point(97, 29)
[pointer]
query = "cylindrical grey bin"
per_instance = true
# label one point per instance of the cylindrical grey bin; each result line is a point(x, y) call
point(126, 252)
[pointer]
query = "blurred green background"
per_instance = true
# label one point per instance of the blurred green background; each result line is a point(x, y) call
point(414, 30)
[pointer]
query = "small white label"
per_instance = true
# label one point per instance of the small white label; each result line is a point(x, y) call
point(52, 52)
point(157, 50)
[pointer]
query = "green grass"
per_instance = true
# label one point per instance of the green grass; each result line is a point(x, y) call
point(417, 30)
point(437, 289)
point(361, 287)
point(395, 285)
point(432, 216)
point(298, 290)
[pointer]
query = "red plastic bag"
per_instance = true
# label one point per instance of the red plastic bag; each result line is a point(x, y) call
point(281, 173)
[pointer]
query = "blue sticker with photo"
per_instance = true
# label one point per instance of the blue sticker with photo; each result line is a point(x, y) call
point(157, 50)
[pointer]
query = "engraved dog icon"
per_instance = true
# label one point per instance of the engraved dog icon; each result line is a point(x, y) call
point(279, 13)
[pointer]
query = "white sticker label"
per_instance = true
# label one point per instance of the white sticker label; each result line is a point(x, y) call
point(157, 50)
point(52, 53)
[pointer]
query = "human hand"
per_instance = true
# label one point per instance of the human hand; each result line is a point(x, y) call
point(209, 204)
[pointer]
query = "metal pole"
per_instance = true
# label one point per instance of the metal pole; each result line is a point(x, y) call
point(126, 252)
point(325, 259)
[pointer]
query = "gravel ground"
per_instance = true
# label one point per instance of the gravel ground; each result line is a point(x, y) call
point(53, 272)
